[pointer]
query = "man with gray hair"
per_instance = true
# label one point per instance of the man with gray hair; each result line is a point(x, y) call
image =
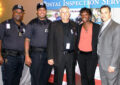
point(61, 47)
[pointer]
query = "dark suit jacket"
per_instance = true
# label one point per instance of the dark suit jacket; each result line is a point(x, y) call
point(95, 33)
point(56, 39)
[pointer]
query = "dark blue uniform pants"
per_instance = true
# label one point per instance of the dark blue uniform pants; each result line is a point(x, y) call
point(12, 70)
point(40, 70)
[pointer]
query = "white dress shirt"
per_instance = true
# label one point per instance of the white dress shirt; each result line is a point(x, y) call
point(105, 25)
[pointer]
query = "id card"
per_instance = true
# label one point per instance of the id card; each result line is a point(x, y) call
point(20, 34)
point(67, 45)
point(7, 26)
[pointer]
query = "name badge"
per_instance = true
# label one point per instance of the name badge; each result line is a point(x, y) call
point(46, 30)
point(67, 45)
point(20, 34)
point(7, 26)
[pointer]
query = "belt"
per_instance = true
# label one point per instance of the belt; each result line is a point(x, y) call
point(8, 52)
point(82, 52)
point(37, 49)
point(68, 52)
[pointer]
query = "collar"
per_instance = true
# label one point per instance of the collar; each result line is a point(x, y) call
point(107, 22)
point(13, 21)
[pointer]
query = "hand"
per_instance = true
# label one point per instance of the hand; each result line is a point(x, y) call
point(51, 62)
point(111, 69)
point(28, 61)
point(1, 60)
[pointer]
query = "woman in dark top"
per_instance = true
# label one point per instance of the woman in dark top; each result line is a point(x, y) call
point(87, 47)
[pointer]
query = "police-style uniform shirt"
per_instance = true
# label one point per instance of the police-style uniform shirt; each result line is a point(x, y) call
point(37, 32)
point(12, 35)
point(69, 37)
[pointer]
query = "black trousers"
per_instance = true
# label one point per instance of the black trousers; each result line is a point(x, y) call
point(87, 64)
point(64, 62)
point(40, 70)
point(12, 70)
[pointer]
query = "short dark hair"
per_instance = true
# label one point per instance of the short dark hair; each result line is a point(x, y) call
point(105, 6)
point(86, 10)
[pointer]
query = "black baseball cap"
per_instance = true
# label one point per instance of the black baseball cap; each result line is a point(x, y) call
point(18, 7)
point(41, 5)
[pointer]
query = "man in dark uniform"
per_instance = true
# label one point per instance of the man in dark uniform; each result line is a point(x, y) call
point(12, 47)
point(61, 47)
point(35, 47)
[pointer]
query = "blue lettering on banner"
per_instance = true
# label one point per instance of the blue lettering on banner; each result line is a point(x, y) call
point(56, 4)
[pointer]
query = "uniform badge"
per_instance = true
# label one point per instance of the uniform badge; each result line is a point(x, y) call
point(72, 31)
point(8, 26)
point(23, 30)
point(41, 4)
point(19, 6)
point(46, 30)
point(6, 60)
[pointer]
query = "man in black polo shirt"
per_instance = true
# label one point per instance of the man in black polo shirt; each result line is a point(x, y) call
point(12, 47)
point(35, 47)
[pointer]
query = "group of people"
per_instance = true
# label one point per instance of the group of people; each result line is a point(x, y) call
point(43, 45)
